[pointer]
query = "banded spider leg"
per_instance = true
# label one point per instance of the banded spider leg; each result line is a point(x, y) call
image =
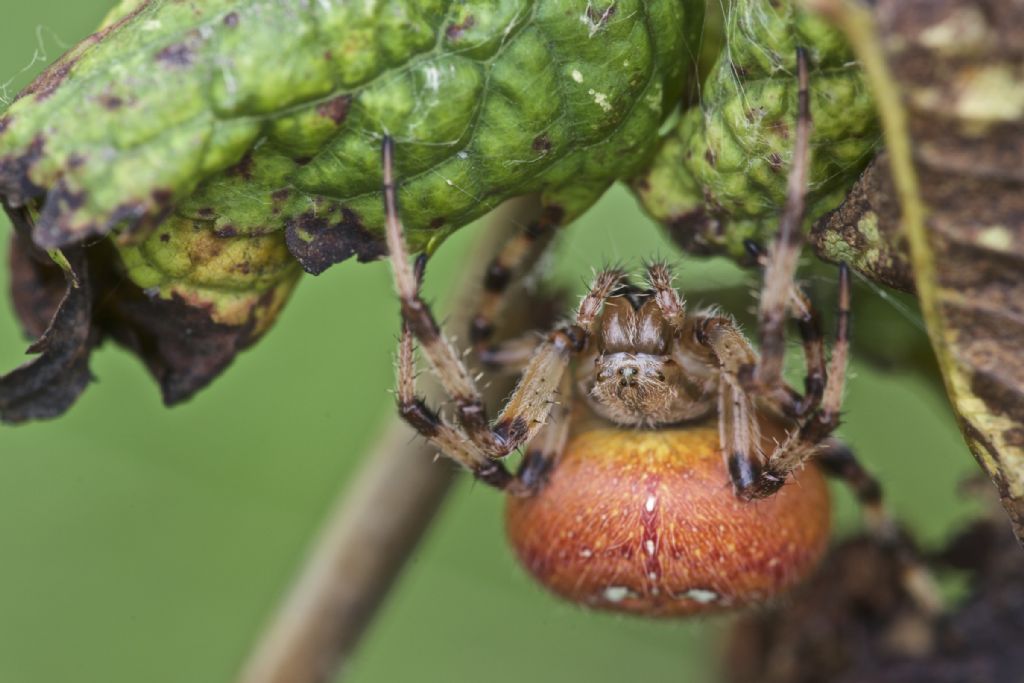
point(473, 440)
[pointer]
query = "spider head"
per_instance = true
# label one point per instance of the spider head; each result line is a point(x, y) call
point(634, 379)
point(634, 388)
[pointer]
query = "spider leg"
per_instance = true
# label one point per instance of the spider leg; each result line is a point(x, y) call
point(740, 437)
point(435, 428)
point(816, 412)
point(808, 322)
point(545, 449)
point(806, 440)
point(528, 407)
point(739, 428)
point(838, 461)
point(511, 355)
point(417, 316)
point(672, 305)
point(827, 415)
point(754, 475)
point(809, 325)
point(784, 251)
point(510, 262)
point(529, 404)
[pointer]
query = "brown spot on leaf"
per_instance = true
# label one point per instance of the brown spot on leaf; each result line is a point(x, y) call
point(49, 80)
point(243, 168)
point(599, 17)
point(15, 185)
point(694, 231)
point(335, 109)
point(318, 243)
point(162, 196)
point(455, 30)
point(231, 19)
point(50, 230)
point(1014, 437)
point(111, 102)
point(175, 55)
point(278, 198)
point(542, 143)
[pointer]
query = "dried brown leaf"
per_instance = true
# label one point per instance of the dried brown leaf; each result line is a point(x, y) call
point(948, 76)
point(56, 309)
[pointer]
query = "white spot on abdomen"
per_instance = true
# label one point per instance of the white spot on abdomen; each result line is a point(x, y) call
point(701, 595)
point(617, 593)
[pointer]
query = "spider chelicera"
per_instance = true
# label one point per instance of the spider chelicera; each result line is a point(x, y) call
point(635, 512)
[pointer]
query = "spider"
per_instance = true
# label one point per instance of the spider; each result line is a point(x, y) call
point(635, 513)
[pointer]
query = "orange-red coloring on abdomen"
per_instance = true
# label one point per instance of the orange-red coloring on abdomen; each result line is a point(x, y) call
point(646, 522)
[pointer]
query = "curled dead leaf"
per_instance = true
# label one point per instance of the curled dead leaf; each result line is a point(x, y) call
point(948, 77)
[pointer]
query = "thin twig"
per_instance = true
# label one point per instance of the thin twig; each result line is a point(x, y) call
point(374, 527)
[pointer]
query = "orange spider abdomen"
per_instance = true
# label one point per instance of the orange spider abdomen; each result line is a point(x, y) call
point(646, 522)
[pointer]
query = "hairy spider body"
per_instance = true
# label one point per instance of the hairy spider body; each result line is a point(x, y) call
point(645, 522)
point(657, 376)
point(638, 372)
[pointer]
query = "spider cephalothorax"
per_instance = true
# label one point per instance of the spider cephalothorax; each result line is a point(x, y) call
point(639, 370)
point(651, 528)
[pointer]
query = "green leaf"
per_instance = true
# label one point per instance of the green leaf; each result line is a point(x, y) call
point(720, 177)
point(260, 117)
point(227, 143)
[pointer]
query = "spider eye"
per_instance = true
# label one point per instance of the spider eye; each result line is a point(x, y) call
point(660, 376)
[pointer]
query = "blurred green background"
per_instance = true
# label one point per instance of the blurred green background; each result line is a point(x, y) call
point(139, 543)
